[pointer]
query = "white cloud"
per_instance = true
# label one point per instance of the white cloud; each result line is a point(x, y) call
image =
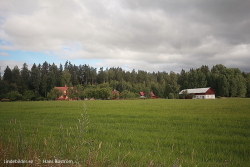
point(11, 64)
point(4, 54)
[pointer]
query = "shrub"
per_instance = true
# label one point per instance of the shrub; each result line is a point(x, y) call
point(54, 93)
point(104, 93)
point(40, 99)
point(14, 95)
point(27, 95)
point(170, 95)
point(127, 94)
point(97, 93)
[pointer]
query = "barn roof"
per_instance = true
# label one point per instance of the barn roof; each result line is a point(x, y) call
point(62, 88)
point(114, 92)
point(196, 90)
point(141, 93)
point(152, 94)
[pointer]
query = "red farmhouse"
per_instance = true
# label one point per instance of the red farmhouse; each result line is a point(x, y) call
point(199, 93)
point(142, 94)
point(65, 92)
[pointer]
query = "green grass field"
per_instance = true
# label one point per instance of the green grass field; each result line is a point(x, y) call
point(128, 132)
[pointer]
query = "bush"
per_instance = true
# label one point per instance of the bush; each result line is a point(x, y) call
point(128, 95)
point(40, 99)
point(14, 95)
point(98, 93)
point(104, 93)
point(54, 93)
point(27, 95)
point(170, 95)
point(89, 93)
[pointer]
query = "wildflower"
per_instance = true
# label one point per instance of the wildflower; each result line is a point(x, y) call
point(45, 142)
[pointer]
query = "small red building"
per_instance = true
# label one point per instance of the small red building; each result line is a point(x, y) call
point(153, 95)
point(143, 94)
point(65, 92)
point(115, 94)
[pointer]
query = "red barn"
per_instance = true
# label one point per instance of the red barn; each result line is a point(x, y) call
point(142, 94)
point(153, 95)
point(115, 94)
point(65, 92)
point(199, 93)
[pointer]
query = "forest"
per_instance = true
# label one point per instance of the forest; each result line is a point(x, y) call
point(38, 82)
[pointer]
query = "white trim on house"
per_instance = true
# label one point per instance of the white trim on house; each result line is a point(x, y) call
point(204, 97)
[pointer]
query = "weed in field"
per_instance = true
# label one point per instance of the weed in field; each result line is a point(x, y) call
point(70, 143)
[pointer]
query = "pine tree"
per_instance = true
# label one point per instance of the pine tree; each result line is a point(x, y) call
point(35, 79)
point(51, 81)
point(248, 85)
point(16, 77)
point(7, 75)
point(65, 79)
point(59, 75)
point(43, 85)
point(25, 77)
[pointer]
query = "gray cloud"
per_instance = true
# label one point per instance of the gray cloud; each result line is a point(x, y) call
point(148, 35)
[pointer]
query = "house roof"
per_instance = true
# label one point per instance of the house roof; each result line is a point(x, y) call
point(64, 88)
point(141, 93)
point(114, 92)
point(152, 94)
point(197, 90)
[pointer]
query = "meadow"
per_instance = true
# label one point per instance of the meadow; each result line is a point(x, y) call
point(155, 132)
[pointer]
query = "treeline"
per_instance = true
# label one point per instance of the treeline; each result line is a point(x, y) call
point(40, 80)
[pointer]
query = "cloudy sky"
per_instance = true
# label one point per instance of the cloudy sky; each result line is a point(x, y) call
point(162, 35)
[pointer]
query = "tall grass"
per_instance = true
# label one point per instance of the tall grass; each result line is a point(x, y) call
point(67, 145)
point(129, 132)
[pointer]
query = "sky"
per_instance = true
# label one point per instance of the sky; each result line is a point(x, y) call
point(162, 35)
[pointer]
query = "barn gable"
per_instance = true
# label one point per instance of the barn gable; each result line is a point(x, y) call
point(141, 94)
point(152, 95)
